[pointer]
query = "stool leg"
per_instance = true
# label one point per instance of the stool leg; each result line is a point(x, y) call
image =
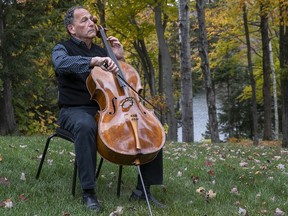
point(99, 168)
point(74, 178)
point(119, 180)
point(44, 154)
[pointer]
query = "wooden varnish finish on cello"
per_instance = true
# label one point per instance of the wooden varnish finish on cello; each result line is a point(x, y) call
point(128, 132)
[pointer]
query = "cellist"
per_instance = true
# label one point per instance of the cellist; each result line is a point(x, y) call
point(73, 61)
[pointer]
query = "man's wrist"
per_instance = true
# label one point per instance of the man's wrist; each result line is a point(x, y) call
point(94, 61)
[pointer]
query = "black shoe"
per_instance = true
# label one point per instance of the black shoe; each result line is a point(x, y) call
point(140, 195)
point(91, 202)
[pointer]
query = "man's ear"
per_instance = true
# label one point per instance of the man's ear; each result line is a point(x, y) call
point(71, 29)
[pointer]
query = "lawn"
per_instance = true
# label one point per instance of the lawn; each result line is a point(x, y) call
point(200, 179)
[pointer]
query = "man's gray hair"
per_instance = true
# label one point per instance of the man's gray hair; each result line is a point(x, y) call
point(69, 16)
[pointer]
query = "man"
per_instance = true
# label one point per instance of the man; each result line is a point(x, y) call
point(73, 61)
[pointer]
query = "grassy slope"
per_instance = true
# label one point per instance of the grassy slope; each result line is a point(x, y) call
point(258, 177)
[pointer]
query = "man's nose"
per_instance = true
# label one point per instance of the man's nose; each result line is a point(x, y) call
point(91, 22)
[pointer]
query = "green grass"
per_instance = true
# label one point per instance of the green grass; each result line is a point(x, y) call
point(262, 184)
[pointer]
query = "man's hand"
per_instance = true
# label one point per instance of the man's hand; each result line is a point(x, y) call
point(105, 63)
point(117, 47)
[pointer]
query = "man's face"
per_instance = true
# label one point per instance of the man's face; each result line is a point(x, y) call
point(82, 27)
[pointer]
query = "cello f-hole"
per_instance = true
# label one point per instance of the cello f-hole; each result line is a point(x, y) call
point(114, 107)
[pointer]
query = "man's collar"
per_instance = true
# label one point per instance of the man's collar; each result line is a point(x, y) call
point(77, 41)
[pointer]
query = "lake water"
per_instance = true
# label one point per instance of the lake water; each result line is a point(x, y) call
point(200, 117)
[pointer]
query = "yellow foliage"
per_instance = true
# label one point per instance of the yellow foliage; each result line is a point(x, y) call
point(166, 128)
point(233, 140)
point(31, 114)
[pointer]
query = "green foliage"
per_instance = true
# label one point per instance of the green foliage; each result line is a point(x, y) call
point(235, 118)
point(231, 77)
point(228, 56)
point(1, 85)
point(31, 29)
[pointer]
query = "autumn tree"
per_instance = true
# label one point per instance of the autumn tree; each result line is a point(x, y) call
point(31, 29)
point(7, 118)
point(251, 76)
point(209, 85)
point(283, 46)
point(166, 67)
point(185, 68)
point(264, 27)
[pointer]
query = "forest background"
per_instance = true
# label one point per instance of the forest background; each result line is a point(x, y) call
point(237, 51)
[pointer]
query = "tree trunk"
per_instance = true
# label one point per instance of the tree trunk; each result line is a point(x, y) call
point(266, 73)
point(167, 74)
point(185, 68)
point(283, 45)
point(7, 118)
point(209, 86)
point(100, 4)
point(252, 80)
point(274, 81)
point(146, 62)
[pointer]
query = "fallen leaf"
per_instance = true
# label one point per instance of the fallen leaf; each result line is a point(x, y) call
point(4, 181)
point(210, 194)
point(118, 211)
point(250, 157)
point(256, 153)
point(8, 203)
point(22, 197)
point(208, 163)
point(279, 212)
point(110, 184)
point(264, 211)
point(281, 166)
point(201, 190)
point(195, 179)
point(242, 211)
point(211, 172)
point(72, 154)
point(50, 162)
point(243, 164)
point(242, 176)
point(23, 177)
point(237, 203)
point(234, 190)
point(263, 167)
point(270, 178)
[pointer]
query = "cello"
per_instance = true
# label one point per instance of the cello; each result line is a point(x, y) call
point(128, 132)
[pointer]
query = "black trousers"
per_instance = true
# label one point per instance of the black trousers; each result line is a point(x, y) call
point(80, 121)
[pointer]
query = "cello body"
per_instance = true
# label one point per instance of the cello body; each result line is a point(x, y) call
point(128, 132)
